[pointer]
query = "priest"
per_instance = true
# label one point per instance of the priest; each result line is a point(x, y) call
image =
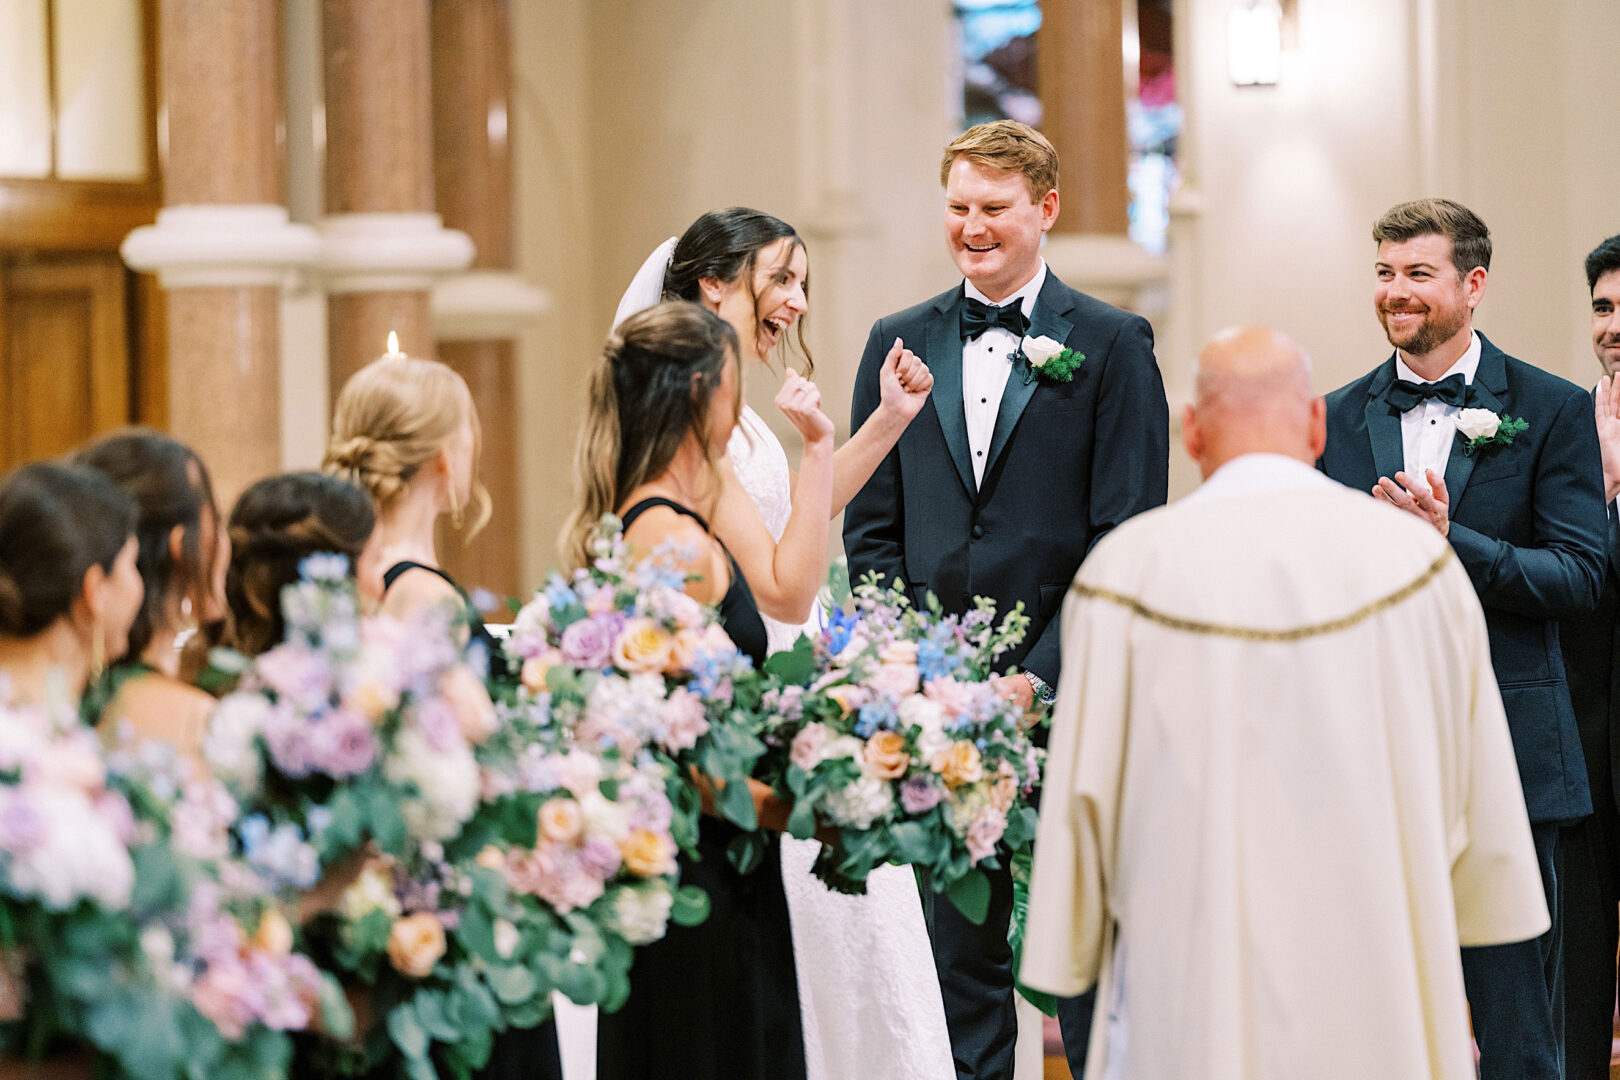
point(1281, 790)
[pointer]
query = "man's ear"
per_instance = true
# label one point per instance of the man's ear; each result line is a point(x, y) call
point(1049, 210)
point(1192, 436)
point(1474, 286)
point(1318, 427)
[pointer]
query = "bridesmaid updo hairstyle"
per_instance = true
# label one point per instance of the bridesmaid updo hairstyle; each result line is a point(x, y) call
point(391, 418)
point(171, 490)
point(653, 387)
point(277, 524)
point(56, 522)
point(725, 245)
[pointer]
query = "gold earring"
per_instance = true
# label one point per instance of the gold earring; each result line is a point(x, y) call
point(457, 519)
point(98, 650)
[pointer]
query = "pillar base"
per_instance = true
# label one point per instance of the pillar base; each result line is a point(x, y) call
point(221, 246)
point(485, 305)
point(389, 252)
point(1114, 269)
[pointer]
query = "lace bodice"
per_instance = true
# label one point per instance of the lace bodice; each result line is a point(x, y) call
point(762, 466)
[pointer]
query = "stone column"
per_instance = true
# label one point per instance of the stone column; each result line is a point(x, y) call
point(478, 314)
point(1081, 74)
point(383, 246)
point(1080, 68)
point(223, 244)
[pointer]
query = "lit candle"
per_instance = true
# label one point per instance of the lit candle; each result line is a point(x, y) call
point(393, 352)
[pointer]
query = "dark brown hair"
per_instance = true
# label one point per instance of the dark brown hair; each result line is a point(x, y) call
point(653, 387)
point(170, 486)
point(1603, 259)
point(1470, 239)
point(277, 524)
point(725, 245)
point(56, 521)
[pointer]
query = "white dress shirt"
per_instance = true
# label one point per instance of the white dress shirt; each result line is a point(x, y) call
point(986, 364)
point(1429, 428)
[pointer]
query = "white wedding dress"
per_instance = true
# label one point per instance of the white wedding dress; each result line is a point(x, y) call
point(868, 989)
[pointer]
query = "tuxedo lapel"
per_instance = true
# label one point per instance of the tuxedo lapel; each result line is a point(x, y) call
point(1490, 380)
point(1384, 424)
point(1048, 320)
point(943, 355)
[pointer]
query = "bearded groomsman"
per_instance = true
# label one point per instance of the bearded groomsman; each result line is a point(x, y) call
point(1047, 427)
point(1501, 458)
point(1589, 853)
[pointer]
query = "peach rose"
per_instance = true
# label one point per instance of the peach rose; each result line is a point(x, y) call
point(959, 764)
point(643, 646)
point(899, 652)
point(274, 935)
point(648, 854)
point(1005, 788)
point(535, 669)
point(684, 649)
point(415, 944)
point(371, 699)
point(561, 821)
point(886, 755)
point(491, 858)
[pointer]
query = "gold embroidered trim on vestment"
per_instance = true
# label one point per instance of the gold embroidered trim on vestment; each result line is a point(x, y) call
point(1244, 633)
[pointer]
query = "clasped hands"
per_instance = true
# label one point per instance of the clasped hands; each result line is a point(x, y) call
point(1432, 503)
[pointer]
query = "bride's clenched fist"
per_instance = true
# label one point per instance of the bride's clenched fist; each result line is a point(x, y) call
point(800, 401)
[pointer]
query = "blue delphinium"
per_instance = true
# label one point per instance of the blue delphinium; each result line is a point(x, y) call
point(840, 627)
point(875, 715)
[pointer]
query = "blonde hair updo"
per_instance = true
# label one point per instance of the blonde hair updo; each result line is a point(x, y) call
point(391, 418)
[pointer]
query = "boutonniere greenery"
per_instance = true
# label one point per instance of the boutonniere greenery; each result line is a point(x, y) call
point(1050, 360)
point(1481, 429)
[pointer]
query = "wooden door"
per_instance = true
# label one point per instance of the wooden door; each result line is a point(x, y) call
point(64, 353)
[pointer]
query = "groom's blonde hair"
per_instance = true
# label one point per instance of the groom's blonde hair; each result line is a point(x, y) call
point(1007, 145)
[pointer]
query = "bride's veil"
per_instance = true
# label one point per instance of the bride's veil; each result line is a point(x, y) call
point(647, 287)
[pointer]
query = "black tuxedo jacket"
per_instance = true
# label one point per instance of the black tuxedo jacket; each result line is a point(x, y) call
point(1528, 524)
point(1067, 462)
point(1591, 645)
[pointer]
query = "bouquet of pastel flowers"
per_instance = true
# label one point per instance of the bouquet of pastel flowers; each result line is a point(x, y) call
point(887, 727)
point(582, 841)
point(352, 747)
point(620, 657)
point(125, 924)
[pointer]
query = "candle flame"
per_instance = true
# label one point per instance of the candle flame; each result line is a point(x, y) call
point(393, 343)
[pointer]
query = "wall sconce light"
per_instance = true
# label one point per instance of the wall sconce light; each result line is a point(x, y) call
point(1254, 42)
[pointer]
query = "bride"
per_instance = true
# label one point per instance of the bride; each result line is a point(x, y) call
point(867, 986)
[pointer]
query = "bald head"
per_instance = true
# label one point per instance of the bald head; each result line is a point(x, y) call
point(1254, 396)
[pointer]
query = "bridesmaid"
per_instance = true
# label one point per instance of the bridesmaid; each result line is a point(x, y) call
point(718, 1001)
point(406, 431)
point(277, 524)
point(182, 552)
point(69, 586)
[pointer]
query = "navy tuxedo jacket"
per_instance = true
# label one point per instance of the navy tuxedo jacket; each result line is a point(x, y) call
point(1067, 462)
point(1528, 524)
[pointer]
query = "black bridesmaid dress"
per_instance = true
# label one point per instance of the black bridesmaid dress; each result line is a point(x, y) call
point(520, 1053)
point(720, 1000)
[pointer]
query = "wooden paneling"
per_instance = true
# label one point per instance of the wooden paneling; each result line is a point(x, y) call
point(65, 368)
point(1081, 72)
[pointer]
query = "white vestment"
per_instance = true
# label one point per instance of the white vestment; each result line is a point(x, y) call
point(1280, 792)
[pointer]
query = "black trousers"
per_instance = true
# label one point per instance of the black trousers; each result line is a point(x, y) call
point(976, 981)
point(1515, 992)
point(1588, 861)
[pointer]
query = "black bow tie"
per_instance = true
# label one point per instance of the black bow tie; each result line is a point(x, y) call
point(1404, 395)
point(977, 317)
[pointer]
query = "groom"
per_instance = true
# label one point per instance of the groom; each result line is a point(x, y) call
point(1004, 481)
point(1502, 459)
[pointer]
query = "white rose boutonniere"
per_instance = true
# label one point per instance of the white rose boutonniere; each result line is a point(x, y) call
point(1048, 358)
point(1482, 428)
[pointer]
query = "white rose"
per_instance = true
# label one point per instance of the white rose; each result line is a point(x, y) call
point(447, 783)
point(641, 913)
point(1478, 423)
point(861, 803)
point(1041, 349)
point(603, 817)
point(231, 745)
